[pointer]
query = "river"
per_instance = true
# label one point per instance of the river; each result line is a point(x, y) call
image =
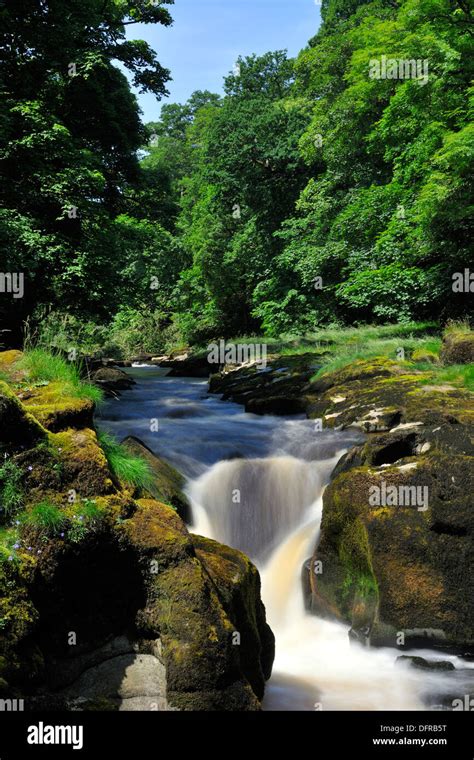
point(256, 483)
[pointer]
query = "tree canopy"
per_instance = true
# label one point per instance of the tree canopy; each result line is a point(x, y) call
point(312, 192)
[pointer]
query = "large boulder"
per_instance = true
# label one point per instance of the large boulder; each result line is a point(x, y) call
point(396, 543)
point(206, 666)
point(238, 584)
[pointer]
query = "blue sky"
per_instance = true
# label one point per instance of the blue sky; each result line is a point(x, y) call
point(208, 36)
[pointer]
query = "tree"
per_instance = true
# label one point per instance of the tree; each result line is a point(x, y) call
point(69, 136)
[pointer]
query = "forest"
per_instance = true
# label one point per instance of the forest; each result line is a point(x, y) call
point(326, 190)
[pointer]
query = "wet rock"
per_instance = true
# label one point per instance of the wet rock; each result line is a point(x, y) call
point(204, 666)
point(187, 366)
point(111, 380)
point(152, 620)
point(421, 664)
point(398, 569)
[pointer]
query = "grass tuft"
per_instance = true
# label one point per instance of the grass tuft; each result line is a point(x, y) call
point(47, 518)
point(127, 467)
point(46, 367)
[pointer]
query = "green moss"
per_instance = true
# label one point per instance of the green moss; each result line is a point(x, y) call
point(84, 467)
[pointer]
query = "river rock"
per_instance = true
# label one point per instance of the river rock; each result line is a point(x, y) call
point(421, 664)
point(112, 379)
point(238, 585)
point(187, 366)
point(396, 573)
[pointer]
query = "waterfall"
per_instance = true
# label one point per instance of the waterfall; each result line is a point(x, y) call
point(253, 504)
point(276, 522)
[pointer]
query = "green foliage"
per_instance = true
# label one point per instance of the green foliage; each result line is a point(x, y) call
point(69, 136)
point(385, 220)
point(44, 366)
point(8, 546)
point(11, 489)
point(85, 519)
point(126, 467)
point(461, 375)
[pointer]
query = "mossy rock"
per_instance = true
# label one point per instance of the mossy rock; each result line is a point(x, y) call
point(83, 464)
point(56, 410)
point(238, 584)
point(184, 607)
point(136, 571)
point(458, 347)
point(112, 379)
point(407, 566)
point(8, 359)
point(424, 356)
point(167, 482)
point(18, 428)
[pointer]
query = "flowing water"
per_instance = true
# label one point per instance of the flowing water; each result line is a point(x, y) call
point(256, 483)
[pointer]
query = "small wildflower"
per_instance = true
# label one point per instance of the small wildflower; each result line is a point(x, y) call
point(30, 467)
point(16, 546)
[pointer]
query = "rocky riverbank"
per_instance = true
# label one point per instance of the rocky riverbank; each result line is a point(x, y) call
point(396, 550)
point(107, 601)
